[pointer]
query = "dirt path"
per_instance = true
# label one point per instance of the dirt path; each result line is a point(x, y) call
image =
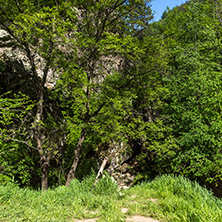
point(130, 219)
point(140, 219)
point(87, 220)
point(136, 218)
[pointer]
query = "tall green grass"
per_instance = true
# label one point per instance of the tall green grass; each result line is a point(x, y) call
point(60, 204)
point(179, 199)
point(176, 199)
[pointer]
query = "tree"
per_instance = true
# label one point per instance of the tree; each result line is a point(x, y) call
point(151, 139)
point(91, 82)
point(37, 28)
point(82, 43)
point(194, 110)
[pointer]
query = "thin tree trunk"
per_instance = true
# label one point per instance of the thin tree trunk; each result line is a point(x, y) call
point(100, 172)
point(39, 137)
point(44, 162)
point(71, 174)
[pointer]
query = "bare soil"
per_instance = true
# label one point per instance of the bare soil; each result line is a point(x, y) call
point(140, 219)
point(136, 218)
point(88, 220)
point(130, 219)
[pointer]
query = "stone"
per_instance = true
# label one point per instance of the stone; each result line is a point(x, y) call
point(124, 210)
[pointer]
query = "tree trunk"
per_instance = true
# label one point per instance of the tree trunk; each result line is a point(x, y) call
point(39, 137)
point(100, 172)
point(44, 162)
point(71, 174)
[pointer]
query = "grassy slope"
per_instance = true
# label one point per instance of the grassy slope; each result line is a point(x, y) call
point(166, 198)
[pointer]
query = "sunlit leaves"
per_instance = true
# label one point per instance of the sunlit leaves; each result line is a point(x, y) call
point(194, 104)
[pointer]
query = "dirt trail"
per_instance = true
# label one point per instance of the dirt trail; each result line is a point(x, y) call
point(140, 219)
point(136, 218)
point(87, 220)
point(129, 219)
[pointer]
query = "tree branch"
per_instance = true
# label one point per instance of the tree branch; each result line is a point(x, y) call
point(98, 110)
point(21, 141)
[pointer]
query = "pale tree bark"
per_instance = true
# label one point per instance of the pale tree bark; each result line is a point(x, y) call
point(100, 172)
point(218, 11)
point(71, 174)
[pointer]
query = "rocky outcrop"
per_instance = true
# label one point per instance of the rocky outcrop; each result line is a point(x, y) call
point(14, 59)
point(14, 77)
point(123, 173)
point(124, 176)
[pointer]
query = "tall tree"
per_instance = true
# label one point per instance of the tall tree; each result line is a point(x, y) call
point(194, 109)
point(38, 29)
point(84, 42)
point(105, 42)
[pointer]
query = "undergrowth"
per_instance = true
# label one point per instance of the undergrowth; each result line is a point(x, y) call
point(166, 198)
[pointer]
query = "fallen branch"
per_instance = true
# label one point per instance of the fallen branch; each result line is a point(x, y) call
point(100, 172)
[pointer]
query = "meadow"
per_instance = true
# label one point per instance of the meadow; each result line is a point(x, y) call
point(166, 198)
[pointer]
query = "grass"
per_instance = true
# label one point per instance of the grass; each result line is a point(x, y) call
point(177, 199)
point(166, 198)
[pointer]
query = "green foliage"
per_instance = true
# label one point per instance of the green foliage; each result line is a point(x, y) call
point(92, 85)
point(193, 107)
point(167, 198)
point(5, 180)
point(15, 160)
point(153, 87)
point(13, 108)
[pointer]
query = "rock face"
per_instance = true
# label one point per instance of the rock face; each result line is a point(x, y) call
point(12, 71)
point(16, 76)
point(123, 176)
point(117, 167)
point(6, 40)
point(123, 173)
point(15, 67)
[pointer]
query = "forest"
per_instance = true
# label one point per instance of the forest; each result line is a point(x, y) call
point(93, 84)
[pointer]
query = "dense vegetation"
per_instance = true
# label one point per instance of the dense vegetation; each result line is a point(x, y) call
point(148, 90)
point(166, 198)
